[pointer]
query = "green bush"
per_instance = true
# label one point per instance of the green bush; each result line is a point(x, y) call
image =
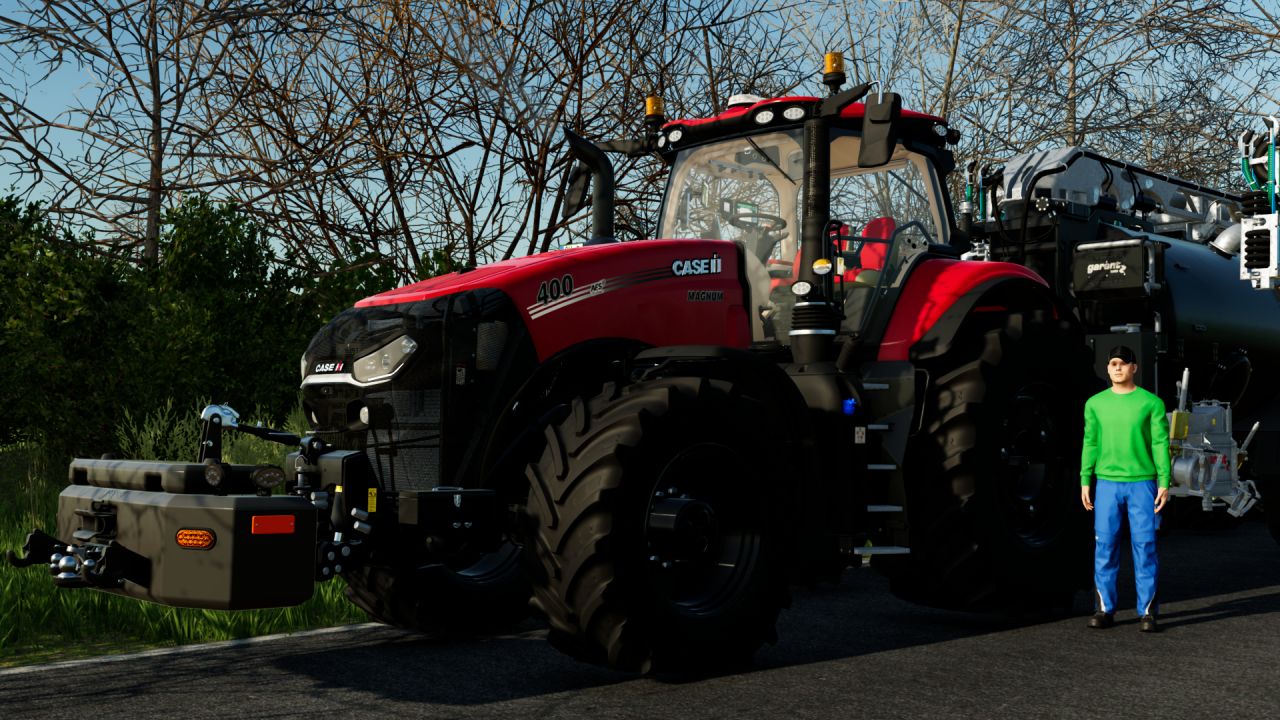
point(55, 330)
point(105, 355)
point(89, 340)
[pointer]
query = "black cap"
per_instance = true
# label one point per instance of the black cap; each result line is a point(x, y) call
point(1123, 352)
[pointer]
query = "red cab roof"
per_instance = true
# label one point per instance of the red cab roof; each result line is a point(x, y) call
point(854, 111)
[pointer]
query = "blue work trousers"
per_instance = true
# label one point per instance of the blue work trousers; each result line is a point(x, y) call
point(1112, 502)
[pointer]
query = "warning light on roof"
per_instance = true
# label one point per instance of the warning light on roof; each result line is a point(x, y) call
point(654, 112)
point(196, 539)
point(833, 62)
point(833, 71)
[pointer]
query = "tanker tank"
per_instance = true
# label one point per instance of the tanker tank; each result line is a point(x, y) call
point(1142, 259)
point(1224, 330)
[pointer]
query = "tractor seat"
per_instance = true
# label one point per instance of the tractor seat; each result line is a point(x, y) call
point(871, 256)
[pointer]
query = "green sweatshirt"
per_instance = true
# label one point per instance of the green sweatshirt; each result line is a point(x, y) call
point(1126, 438)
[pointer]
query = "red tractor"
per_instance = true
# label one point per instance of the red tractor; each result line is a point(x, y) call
point(655, 439)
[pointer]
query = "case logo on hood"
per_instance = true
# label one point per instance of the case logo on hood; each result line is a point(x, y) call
point(699, 266)
point(328, 367)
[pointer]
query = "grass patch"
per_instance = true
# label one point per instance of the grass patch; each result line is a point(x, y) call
point(40, 622)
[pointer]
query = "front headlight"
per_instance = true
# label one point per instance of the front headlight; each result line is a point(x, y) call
point(385, 361)
point(302, 366)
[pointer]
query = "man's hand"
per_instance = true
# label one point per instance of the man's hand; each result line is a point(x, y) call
point(1162, 497)
point(1084, 498)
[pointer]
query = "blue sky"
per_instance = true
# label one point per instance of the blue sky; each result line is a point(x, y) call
point(52, 96)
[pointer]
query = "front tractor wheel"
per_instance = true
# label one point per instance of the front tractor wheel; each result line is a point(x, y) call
point(993, 481)
point(656, 542)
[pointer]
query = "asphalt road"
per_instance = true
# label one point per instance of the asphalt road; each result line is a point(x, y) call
point(848, 651)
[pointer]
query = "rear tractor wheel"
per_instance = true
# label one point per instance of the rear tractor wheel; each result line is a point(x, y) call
point(993, 493)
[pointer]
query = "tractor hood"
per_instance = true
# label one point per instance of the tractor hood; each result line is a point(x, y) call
point(655, 292)
point(486, 276)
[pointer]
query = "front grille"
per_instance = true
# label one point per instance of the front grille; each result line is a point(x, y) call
point(427, 423)
point(403, 440)
point(407, 456)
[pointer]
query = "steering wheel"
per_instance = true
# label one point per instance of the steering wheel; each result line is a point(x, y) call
point(766, 229)
point(752, 220)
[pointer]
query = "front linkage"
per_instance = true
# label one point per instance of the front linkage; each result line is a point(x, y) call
point(213, 535)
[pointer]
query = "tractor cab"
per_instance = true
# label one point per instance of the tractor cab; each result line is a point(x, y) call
point(747, 185)
point(830, 200)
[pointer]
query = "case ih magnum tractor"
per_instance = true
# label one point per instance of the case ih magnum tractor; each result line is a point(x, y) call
point(651, 441)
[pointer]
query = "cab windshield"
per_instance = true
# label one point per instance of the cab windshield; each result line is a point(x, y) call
point(749, 190)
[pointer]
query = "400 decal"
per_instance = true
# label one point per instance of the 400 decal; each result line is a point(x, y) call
point(555, 288)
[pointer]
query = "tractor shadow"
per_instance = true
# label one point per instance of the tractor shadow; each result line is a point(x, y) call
point(859, 617)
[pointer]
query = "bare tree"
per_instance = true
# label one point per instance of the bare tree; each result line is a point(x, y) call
point(1154, 83)
point(420, 132)
point(331, 135)
point(126, 144)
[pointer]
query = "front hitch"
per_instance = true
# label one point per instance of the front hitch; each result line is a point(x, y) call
point(212, 535)
point(38, 548)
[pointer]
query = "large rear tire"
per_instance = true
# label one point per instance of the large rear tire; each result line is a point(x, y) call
point(993, 480)
point(489, 595)
point(658, 537)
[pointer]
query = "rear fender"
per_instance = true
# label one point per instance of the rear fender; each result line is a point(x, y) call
point(941, 294)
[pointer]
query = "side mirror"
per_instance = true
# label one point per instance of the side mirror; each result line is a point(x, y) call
point(879, 134)
point(575, 194)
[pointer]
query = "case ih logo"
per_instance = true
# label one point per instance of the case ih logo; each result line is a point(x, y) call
point(701, 266)
point(328, 367)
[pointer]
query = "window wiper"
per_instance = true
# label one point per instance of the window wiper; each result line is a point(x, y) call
point(770, 160)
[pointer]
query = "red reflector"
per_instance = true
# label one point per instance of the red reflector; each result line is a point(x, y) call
point(273, 525)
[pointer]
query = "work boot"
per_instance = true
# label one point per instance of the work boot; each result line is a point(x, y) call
point(1102, 621)
point(1149, 624)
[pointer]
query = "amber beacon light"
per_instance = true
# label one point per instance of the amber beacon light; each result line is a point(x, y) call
point(654, 114)
point(833, 71)
point(653, 106)
point(833, 62)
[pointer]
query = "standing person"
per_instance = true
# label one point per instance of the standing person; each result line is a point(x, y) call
point(1126, 442)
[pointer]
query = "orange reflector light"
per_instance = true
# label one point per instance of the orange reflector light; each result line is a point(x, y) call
point(273, 525)
point(195, 539)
